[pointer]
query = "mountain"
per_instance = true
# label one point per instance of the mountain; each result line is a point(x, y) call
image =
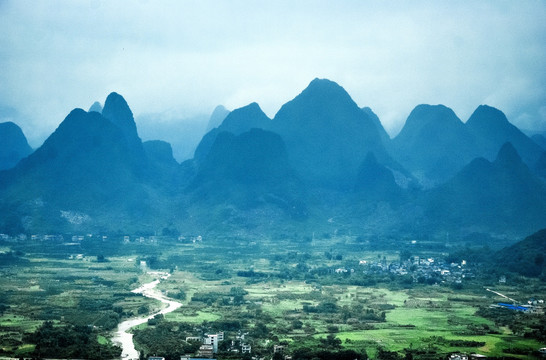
point(96, 107)
point(236, 122)
point(525, 257)
point(540, 140)
point(183, 133)
point(499, 195)
point(327, 135)
point(376, 182)
point(118, 112)
point(248, 170)
point(385, 138)
point(492, 129)
point(216, 118)
point(13, 145)
point(434, 144)
point(159, 151)
point(540, 166)
point(84, 170)
point(163, 170)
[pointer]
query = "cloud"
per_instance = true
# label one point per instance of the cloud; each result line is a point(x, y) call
point(189, 56)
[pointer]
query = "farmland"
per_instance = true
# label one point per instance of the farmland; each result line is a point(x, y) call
point(333, 294)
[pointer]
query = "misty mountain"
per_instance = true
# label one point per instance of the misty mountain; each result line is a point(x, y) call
point(248, 170)
point(385, 138)
point(184, 134)
point(13, 145)
point(540, 140)
point(162, 169)
point(84, 167)
point(503, 194)
point(216, 118)
point(376, 182)
point(434, 144)
point(96, 107)
point(540, 166)
point(321, 158)
point(491, 127)
point(327, 135)
point(236, 122)
point(118, 112)
point(525, 257)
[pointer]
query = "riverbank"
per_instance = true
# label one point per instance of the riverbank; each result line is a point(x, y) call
point(123, 337)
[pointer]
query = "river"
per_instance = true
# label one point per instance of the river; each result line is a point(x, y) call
point(122, 336)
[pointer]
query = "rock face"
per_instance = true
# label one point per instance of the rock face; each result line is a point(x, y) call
point(492, 129)
point(327, 135)
point(434, 143)
point(13, 145)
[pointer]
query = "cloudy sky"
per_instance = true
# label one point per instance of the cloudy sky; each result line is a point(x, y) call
point(183, 58)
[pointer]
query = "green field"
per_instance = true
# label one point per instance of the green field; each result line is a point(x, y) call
point(275, 291)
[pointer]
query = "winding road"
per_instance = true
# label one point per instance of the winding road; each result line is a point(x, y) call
point(122, 336)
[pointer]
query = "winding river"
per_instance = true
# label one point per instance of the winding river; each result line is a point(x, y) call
point(122, 336)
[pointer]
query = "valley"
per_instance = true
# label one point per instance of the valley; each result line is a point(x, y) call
point(337, 295)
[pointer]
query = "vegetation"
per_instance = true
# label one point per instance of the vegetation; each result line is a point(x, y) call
point(336, 297)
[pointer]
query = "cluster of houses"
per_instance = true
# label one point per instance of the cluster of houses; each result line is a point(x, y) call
point(420, 268)
point(209, 347)
point(211, 341)
point(466, 357)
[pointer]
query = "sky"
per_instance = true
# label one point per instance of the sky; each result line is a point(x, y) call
point(180, 59)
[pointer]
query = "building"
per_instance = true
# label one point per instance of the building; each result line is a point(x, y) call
point(156, 358)
point(206, 351)
point(458, 357)
point(246, 348)
point(212, 340)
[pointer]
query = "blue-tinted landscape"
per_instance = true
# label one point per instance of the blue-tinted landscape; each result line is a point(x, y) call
point(183, 180)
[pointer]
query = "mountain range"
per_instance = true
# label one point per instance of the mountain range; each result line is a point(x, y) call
point(321, 157)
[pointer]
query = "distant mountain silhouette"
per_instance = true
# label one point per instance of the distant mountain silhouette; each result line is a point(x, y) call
point(434, 143)
point(162, 168)
point(322, 164)
point(13, 145)
point(96, 107)
point(327, 135)
point(380, 129)
point(525, 257)
point(492, 129)
point(85, 166)
point(540, 140)
point(236, 122)
point(498, 195)
point(248, 170)
point(159, 151)
point(375, 182)
point(118, 112)
point(217, 116)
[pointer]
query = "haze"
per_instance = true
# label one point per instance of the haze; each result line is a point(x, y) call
point(179, 59)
